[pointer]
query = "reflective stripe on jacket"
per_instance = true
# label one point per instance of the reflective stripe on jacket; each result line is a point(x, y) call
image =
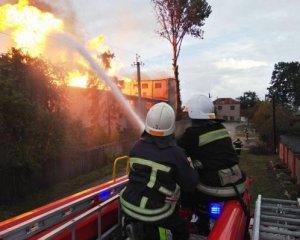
point(210, 143)
point(221, 191)
point(153, 178)
point(144, 214)
point(212, 136)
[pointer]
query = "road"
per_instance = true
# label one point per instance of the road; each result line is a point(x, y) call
point(231, 126)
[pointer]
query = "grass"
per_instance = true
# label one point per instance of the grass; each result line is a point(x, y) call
point(58, 191)
point(267, 180)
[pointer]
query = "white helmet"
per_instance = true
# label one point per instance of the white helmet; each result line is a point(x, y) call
point(200, 107)
point(160, 120)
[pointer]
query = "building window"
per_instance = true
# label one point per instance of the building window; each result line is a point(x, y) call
point(145, 85)
point(231, 118)
point(219, 107)
point(144, 94)
point(135, 85)
point(157, 85)
point(225, 117)
point(232, 107)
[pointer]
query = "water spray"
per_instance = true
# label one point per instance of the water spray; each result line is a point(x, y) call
point(70, 41)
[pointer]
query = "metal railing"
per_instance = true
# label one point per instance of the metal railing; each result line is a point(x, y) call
point(72, 223)
point(117, 160)
point(276, 219)
point(82, 206)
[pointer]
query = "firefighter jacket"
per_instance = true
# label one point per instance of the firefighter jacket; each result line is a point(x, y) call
point(155, 173)
point(209, 142)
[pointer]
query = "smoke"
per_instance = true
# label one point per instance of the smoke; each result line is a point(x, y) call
point(62, 9)
point(69, 41)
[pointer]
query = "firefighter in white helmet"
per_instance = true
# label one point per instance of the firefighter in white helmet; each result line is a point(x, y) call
point(208, 144)
point(157, 169)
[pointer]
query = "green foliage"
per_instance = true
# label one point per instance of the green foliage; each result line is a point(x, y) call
point(285, 83)
point(34, 128)
point(249, 103)
point(286, 122)
point(248, 100)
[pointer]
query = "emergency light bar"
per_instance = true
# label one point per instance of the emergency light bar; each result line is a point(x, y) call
point(103, 195)
point(215, 209)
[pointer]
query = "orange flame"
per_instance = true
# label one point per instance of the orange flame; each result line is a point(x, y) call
point(29, 26)
point(97, 44)
point(77, 79)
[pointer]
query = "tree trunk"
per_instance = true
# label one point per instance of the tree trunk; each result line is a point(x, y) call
point(178, 96)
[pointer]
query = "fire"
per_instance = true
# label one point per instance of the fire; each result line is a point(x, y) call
point(29, 28)
point(28, 25)
point(77, 79)
point(97, 45)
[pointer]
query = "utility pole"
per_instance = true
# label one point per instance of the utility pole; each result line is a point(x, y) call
point(138, 65)
point(274, 123)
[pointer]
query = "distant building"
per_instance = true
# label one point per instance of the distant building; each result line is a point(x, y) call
point(228, 109)
point(152, 91)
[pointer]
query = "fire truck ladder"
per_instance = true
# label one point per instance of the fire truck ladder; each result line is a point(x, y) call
point(276, 219)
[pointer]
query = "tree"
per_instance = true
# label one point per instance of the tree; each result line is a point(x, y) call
point(36, 132)
point(285, 83)
point(249, 103)
point(104, 108)
point(286, 122)
point(31, 130)
point(248, 100)
point(178, 18)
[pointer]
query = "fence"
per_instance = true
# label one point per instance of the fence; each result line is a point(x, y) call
point(86, 161)
point(289, 154)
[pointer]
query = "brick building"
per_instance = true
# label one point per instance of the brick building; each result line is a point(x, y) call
point(228, 109)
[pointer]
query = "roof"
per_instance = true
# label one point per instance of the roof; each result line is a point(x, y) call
point(292, 141)
point(224, 101)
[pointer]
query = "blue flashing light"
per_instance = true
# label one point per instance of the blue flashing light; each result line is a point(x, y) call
point(215, 210)
point(103, 195)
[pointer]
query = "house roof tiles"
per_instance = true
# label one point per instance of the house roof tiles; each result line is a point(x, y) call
point(224, 101)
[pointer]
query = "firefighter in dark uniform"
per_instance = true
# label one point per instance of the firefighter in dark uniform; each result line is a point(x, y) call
point(238, 144)
point(158, 170)
point(208, 144)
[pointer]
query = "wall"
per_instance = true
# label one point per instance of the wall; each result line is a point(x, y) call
point(227, 113)
point(291, 160)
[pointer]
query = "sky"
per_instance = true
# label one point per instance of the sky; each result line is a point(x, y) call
point(242, 42)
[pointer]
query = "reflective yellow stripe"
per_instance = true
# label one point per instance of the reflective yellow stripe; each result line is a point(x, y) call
point(149, 218)
point(150, 163)
point(143, 202)
point(166, 191)
point(141, 210)
point(221, 191)
point(212, 136)
point(154, 165)
point(162, 233)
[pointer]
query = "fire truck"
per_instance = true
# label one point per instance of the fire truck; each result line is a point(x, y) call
point(95, 214)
